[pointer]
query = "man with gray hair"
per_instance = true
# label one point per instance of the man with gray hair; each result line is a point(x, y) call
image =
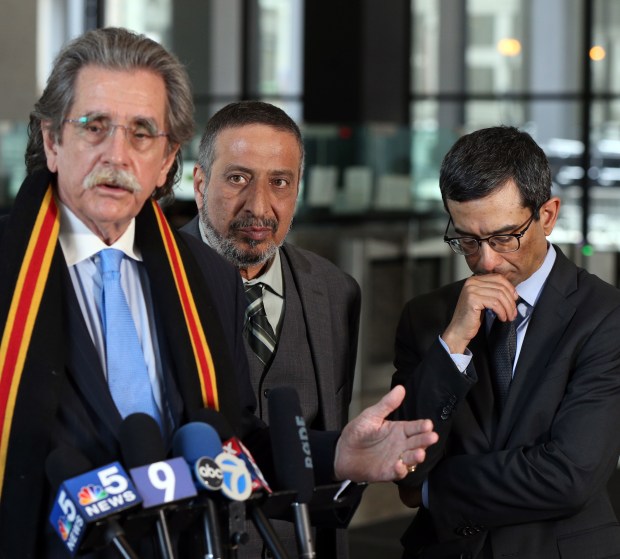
point(303, 312)
point(106, 312)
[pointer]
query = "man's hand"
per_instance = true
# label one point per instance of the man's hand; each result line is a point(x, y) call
point(489, 291)
point(371, 448)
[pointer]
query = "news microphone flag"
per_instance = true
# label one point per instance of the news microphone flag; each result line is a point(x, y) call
point(163, 482)
point(232, 445)
point(88, 498)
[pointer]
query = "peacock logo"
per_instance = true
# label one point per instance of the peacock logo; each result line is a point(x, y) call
point(91, 494)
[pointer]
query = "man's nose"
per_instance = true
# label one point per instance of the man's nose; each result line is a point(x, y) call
point(258, 200)
point(117, 146)
point(488, 259)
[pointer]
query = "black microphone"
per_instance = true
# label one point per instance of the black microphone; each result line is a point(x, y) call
point(232, 445)
point(160, 482)
point(89, 501)
point(293, 460)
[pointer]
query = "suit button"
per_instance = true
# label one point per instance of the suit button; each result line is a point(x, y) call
point(445, 412)
point(266, 393)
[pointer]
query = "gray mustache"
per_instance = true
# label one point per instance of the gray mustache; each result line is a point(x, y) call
point(115, 177)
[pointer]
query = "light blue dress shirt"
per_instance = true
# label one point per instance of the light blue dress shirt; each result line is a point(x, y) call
point(80, 247)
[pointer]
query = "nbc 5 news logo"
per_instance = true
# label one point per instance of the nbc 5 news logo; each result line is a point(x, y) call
point(89, 496)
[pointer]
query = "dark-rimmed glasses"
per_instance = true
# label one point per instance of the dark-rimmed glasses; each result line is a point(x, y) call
point(506, 242)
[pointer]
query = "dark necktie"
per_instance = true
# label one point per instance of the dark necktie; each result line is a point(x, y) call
point(257, 329)
point(502, 349)
point(128, 376)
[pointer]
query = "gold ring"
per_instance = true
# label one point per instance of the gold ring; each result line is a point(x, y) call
point(410, 467)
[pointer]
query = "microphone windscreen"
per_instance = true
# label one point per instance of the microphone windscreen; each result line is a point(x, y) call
point(216, 419)
point(290, 445)
point(196, 440)
point(65, 462)
point(141, 441)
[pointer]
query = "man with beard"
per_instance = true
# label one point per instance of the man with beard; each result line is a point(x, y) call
point(246, 184)
point(519, 367)
point(105, 311)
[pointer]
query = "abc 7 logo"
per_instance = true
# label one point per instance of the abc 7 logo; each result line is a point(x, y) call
point(237, 482)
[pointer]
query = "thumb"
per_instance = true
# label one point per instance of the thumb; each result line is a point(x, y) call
point(389, 402)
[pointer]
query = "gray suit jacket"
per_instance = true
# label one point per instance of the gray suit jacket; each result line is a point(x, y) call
point(331, 303)
point(532, 483)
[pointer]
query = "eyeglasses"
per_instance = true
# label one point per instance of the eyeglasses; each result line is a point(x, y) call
point(95, 130)
point(509, 242)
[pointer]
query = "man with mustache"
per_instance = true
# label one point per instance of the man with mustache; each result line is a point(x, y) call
point(518, 366)
point(246, 183)
point(105, 311)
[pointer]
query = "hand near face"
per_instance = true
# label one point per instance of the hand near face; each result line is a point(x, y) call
point(481, 292)
point(374, 449)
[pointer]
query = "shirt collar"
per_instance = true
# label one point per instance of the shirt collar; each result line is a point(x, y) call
point(79, 243)
point(272, 277)
point(529, 290)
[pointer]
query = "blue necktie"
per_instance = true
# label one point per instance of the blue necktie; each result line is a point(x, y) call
point(128, 378)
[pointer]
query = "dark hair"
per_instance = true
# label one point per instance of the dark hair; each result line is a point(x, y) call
point(480, 162)
point(113, 49)
point(243, 113)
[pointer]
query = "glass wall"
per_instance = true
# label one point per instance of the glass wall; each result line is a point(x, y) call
point(550, 67)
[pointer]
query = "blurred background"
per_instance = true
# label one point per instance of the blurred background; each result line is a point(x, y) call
point(381, 90)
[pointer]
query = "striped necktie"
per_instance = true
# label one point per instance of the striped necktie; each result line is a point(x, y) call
point(128, 377)
point(257, 329)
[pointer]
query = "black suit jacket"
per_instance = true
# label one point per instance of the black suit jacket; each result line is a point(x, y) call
point(533, 483)
point(84, 416)
point(81, 412)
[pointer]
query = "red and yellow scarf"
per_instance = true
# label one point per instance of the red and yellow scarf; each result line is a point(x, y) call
point(27, 257)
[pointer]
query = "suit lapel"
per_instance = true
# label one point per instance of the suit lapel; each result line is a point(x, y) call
point(548, 322)
point(317, 316)
point(482, 397)
point(84, 366)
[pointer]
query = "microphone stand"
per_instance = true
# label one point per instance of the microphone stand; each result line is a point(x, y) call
point(305, 545)
point(163, 534)
point(264, 527)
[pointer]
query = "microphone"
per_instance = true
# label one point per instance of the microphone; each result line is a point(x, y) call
point(87, 505)
point(160, 482)
point(234, 447)
point(293, 460)
point(197, 443)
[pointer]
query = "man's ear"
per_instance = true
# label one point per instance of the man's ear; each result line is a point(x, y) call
point(199, 185)
point(549, 212)
point(166, 163)
point(50, 145)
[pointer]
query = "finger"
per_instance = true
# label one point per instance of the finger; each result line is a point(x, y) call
point(389, 402)
point(418, 426)
point(496, 296)
point(408, 462)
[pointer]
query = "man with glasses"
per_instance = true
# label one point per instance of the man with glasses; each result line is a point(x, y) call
point(519, 368)
point(105, 311)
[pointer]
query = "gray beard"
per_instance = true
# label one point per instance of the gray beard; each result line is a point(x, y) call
point(227, 247)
